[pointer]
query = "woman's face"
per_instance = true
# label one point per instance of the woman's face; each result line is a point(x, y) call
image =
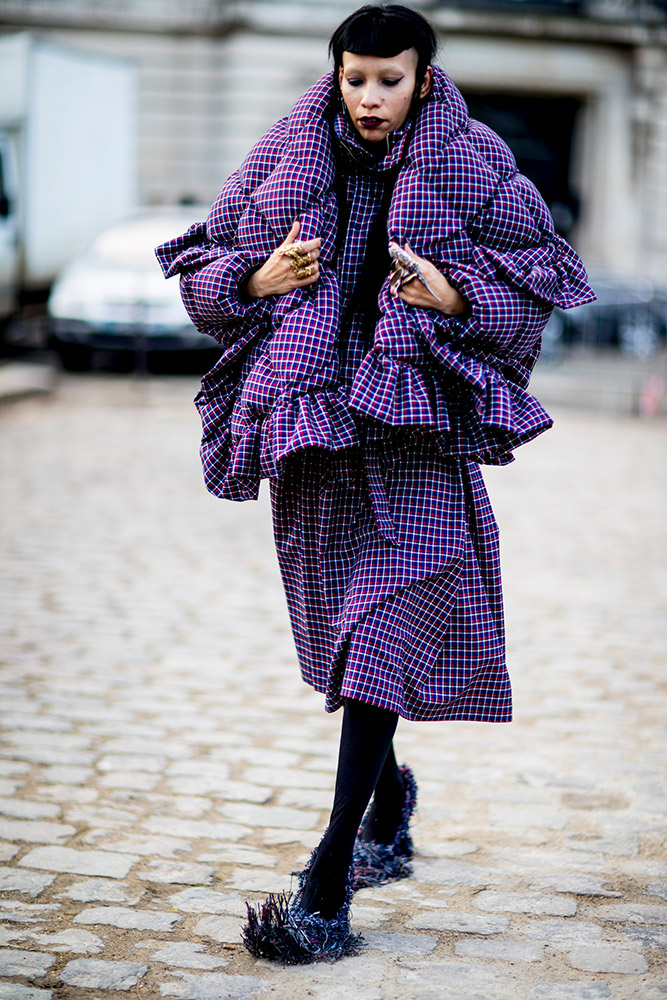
point(378, 91)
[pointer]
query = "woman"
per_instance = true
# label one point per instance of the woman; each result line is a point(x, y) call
point(369, 400)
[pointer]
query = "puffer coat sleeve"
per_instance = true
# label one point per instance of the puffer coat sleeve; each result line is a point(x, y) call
point(212, 266)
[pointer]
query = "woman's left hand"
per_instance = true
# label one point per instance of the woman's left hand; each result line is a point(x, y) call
point(415, 293)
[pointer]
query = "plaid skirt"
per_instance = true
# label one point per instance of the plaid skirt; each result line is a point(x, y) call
point(390, 561)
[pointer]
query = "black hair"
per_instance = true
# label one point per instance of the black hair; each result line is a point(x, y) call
point(384, 30)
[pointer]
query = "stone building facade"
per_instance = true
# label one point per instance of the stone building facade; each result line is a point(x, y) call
point(588, 78)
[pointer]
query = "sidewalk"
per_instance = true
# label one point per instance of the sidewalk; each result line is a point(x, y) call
point(162, 762)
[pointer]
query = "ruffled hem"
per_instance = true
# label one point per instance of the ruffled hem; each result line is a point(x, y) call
point(234, 466)
point(473, 410)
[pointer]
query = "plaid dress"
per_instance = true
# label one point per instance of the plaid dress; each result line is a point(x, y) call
point(371, 423)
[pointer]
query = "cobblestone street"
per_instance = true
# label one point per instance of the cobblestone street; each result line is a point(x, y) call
point(162, 762)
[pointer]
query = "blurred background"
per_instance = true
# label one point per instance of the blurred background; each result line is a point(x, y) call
point(135, 112)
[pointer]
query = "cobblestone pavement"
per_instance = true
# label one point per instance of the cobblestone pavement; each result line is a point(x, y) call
point(162, 761)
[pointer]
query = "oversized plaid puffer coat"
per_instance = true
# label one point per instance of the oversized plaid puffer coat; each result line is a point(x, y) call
point(371, 433)
point(458, 201)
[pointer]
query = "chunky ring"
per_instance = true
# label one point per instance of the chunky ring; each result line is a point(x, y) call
point(297, 253)
point(303, 271)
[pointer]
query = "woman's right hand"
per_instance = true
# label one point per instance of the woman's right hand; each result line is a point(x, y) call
point(276, 276)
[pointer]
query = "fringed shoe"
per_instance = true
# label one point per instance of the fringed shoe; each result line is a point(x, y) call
point(375, 863)
point(280, 930)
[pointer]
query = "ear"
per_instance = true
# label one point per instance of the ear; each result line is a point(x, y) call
point(340, 75)
point(428, 82)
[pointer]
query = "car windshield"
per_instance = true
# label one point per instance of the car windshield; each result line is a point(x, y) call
point(133, 243)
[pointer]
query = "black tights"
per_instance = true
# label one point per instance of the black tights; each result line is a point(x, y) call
point(366, 762)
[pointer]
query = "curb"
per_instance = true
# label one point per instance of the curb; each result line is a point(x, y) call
point(21, 381)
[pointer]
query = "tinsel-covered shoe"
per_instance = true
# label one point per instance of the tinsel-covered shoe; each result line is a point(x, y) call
point(281, 930)
point(375, 863)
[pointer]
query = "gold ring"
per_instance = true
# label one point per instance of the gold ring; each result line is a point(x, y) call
point(297, 252)
point(303, 272)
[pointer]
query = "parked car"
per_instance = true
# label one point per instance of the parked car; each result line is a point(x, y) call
point(113, 295)
point(630, 315)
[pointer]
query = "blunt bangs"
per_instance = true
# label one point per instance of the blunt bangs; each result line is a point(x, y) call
point(384, 30)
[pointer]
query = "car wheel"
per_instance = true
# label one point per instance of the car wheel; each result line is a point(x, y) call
point(74, 357)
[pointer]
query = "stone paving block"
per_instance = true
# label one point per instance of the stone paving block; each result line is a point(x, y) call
point(598, 958)
point(212, 986)
point(12, 935)
point(657, 889)
point(59, 774)
point(523, 817)
point(504, 951)
point(97, 974)
point(572, 991)
point(242, 854)
point(19, 912)
point(632, 913)
point(35, 737)
point(477, 981)
point(101, 816)
point(297, 819)
point(539, 860)
point(185, 955)
point(26, 809)
point(24, 963)
point(48, 755)
point(30, 883)
point(132, 762)
point(646, 937)
point(289, 778)
point(10, 788)
point(133, 745)
point(259, 880)
point(578, 885)
point(237, 791)
point(305, 798)
point(274, 836)
point(71, 940)
point(67, 859)
point(516, 902)
point(97, 890)
point(196, 829)
point(222, 929)
point(400, 944)
point(271, 758)
point(447, 849)
point(128, 919)
point(68, 794)
point(195, 767)
point(187, 806)
point(444, 872)
point(563, 932)
point(145, 845)
point(12, 768)
point(466, 923)
point(139, 781)
point(202, 900)
point(177, 873)
point(193, 785)
point(370, 916)
point(12, 991)
point(35, 831)
point(8, 851)
point(625, 845)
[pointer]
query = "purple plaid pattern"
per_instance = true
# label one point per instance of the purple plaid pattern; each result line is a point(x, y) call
point(370, 432)
point(279, 387)
point(415, 627)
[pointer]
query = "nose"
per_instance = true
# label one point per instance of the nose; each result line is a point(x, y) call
point(371, 97)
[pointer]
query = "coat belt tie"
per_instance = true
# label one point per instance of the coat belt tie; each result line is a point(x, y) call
point(376, 486)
